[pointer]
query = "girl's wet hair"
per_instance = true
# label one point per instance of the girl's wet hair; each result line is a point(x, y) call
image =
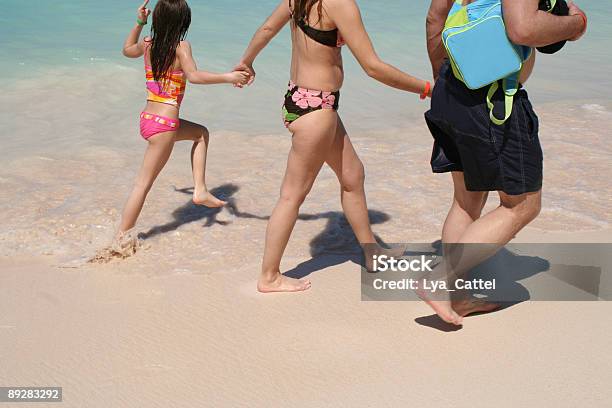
point(171, 20)
point(301, 10)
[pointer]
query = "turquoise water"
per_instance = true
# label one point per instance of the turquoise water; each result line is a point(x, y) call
point(87, 36)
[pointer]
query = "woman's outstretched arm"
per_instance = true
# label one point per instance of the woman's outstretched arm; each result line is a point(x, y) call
point(132, 47)
point(279, 18)
point(347, 17)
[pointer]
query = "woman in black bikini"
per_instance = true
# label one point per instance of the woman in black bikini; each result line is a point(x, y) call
point(319, 28)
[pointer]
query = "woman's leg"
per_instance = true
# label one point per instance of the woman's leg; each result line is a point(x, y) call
point(200, 137)
point(313, 135)
point(344, 161)
point(157, 154)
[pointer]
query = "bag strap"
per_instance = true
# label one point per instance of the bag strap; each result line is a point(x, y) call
point(508, 101)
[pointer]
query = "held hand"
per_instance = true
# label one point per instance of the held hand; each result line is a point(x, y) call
point(246, 68)
point(238, 78)
point(144, 12)
point(574, 10)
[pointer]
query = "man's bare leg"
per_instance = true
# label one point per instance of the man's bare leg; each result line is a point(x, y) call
point(497, 228)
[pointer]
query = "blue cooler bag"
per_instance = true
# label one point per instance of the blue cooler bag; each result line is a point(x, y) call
point(481, 53)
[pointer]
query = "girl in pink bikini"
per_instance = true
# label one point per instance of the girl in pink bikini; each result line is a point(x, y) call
point(169, 64)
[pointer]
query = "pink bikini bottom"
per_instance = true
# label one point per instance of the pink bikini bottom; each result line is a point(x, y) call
point(151, 124)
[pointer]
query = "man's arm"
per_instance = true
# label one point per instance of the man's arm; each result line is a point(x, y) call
point(526, 25)
point(436, 17)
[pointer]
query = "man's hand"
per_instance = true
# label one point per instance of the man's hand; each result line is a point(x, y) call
point(574, 10)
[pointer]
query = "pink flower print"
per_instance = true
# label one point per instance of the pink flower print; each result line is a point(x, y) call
point(328, 100)
point(305, 98)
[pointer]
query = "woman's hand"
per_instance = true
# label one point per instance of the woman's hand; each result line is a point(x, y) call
point(144, 12)
point(238, 78)
point(242, 66)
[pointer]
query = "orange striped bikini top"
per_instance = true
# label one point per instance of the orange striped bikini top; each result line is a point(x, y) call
point(171, 91)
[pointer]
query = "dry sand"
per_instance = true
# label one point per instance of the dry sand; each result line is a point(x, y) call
point(117, 336)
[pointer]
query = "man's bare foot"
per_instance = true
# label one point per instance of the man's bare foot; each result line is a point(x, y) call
point(282, 283)
point(473, 305)
point(443, 309)
point(208, 200)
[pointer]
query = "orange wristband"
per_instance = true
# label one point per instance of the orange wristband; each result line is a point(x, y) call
point(586, 22)
point(425, 93)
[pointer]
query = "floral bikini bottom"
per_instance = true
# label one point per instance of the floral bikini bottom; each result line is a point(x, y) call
point(302, 101)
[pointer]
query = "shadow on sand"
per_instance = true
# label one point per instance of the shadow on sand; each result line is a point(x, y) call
point(336, 244)
point(189, 212)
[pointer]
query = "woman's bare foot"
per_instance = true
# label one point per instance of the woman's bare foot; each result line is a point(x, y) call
point(282, 283)
point(370, 250)
point(443, 308)
point(473, 305)
point(206, 199)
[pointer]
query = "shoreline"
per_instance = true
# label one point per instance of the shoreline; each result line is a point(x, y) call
point(69, 202)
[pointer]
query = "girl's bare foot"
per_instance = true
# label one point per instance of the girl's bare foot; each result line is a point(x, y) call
point(282, 283)
point(470, 306)
point(124, 245)
point(206, 199)
point(443, 308)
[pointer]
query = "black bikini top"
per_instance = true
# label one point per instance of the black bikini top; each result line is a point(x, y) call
point(331, 38)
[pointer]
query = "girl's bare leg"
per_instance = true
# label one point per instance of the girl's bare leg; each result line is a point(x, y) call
point(156, 156)
point(200, 137)
point(313, 136)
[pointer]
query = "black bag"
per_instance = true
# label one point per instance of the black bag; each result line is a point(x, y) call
point(560, 9)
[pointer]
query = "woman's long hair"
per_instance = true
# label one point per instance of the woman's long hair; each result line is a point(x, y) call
point(302, 8)
point(171, 20)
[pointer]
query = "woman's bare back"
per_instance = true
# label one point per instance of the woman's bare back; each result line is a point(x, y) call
point(315, 65)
